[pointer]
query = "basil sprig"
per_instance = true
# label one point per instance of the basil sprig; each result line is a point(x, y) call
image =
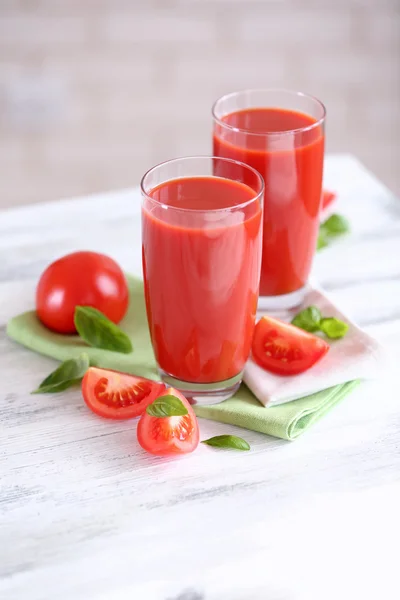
point(98, 331)
point(167, 406)
point(227, 441)
point(68, 373)
point(335, 226)
point(310, 319)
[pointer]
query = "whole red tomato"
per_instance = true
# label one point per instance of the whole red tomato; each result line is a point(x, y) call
point(80, 279)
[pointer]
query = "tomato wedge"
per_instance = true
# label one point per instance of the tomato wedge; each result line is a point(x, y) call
point(169, 435)
point(117, 395)
point(327, 198)
point(285, 349)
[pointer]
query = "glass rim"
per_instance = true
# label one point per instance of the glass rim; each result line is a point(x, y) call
point(257, 195)
point(268, 133)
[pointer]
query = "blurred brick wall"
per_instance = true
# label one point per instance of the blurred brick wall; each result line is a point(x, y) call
point(94, 92)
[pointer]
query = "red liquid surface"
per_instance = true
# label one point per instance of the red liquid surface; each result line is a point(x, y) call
point(201, 275)
point(292, 166)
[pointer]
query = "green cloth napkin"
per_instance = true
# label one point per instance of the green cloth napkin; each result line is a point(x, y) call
point(286, 421)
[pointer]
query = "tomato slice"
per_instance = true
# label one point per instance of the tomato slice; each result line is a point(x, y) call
point(169, 435)
point(117, 395)
point(285, 349)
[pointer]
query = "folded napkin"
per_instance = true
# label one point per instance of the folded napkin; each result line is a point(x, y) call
point(356, 356)
point(286, 421)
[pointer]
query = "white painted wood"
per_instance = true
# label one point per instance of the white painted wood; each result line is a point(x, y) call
point(85, 514)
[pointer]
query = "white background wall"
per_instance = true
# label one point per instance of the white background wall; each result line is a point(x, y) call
point(94, 92)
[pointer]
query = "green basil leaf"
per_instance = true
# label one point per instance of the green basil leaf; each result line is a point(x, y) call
point(308, 319)
point(330, 229)
point(322, 241)
point(227, 441)
point(336, 225)
point(167, 406)
point(98, 331)
point(334, 328)
point(68, 373)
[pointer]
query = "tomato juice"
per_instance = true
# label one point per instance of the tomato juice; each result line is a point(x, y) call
point(287, 148)
point(201, 263)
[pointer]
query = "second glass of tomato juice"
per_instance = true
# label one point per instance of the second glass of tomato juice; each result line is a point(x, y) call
point(202, 244)
point(281, 134)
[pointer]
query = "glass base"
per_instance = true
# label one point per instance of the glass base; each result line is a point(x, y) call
point(283, 302)
point(204, 393)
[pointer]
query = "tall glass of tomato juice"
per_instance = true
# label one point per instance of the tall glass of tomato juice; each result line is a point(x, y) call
point(281, 135)
point(201, 244)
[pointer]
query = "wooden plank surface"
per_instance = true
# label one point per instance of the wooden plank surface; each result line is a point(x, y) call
point(86, 514)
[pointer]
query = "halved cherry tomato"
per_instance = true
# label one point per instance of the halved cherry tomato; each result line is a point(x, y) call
point(118, 395)
point(285, 349)
point(169, 435)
